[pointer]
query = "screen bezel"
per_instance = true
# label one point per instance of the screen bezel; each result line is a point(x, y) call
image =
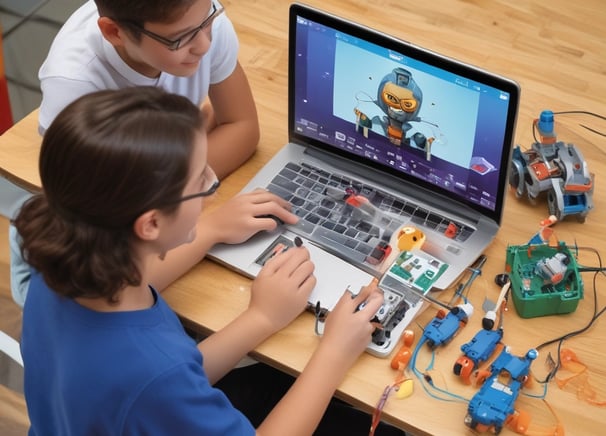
point(421, 54)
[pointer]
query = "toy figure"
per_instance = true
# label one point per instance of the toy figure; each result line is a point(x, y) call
point(445, 325)
point(493, 404)
point(554, 167)
point(400, 98)
point(410, 238)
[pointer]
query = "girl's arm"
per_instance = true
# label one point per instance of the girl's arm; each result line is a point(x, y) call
point(275, 300)
point(278, 295)
point(233, 222)
point(346, 335)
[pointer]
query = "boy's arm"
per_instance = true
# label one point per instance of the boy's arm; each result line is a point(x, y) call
point(233, 123)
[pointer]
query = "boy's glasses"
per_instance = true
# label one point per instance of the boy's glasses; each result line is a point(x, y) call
point(216, 9)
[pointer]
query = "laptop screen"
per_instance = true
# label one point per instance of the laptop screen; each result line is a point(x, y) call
point(401, 109)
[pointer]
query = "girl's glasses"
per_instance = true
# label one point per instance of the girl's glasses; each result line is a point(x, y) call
point(209, 178)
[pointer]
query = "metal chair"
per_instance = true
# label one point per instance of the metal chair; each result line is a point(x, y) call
point(10, 347)
point(13, 411)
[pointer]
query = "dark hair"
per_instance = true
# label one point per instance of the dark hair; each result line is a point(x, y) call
point(143, 11)
point(107, 158)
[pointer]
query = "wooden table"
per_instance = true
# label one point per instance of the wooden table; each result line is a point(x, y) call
point(556, 52)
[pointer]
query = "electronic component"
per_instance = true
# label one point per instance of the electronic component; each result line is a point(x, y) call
point(445, 325)
point(545, 280)
point(493, 404)
point(476, 351)
point(381, 251)
point(553, 167)
point(553, 268)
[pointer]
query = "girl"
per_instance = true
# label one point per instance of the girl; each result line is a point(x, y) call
point(124, 176)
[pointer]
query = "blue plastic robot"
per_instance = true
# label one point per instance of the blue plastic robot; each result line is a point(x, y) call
point(555, 168)
point(494, 402)
point(445, 326)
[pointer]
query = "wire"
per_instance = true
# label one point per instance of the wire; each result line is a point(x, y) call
point(592, 130)
point(540, 397)
point(575, 112)
point(596, 314)
point(580, 113)
point(426, 380)
point(376, 415)
point(462, 290)
point(590, 269)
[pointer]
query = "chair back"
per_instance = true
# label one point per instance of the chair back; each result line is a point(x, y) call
point(10, 347)
point(14, 420)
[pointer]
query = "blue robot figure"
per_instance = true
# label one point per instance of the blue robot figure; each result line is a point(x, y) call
point(494, 403)
point(446, 325)
point(400, 98)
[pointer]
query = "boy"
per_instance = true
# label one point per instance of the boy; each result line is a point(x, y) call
point(103, 353)
point(187, 47)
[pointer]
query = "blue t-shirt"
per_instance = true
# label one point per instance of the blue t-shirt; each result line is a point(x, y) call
point(116, 373)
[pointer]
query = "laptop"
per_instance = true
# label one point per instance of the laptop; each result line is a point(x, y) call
point(385, 138)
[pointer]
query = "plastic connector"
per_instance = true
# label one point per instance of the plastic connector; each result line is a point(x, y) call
point(467, 309)
point(545, 125)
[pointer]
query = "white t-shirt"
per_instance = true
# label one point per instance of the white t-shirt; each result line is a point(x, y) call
point(81, 61)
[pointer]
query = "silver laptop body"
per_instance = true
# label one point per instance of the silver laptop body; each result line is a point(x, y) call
point(384, 135)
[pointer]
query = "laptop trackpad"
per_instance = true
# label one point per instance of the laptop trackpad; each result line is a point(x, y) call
point(333, 274)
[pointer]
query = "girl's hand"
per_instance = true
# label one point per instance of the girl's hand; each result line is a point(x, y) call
point(282, 287)
point(348, 328)
point(246, 214)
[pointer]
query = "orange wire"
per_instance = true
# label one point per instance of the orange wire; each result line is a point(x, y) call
point(376, 415)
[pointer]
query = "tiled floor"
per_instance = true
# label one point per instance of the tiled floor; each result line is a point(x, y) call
point(26, 47)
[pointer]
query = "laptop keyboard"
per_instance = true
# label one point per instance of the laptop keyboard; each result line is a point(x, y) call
point(318, 198)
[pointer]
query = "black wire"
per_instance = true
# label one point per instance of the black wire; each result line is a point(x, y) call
point(581, 112)
point(592, 130)
point(596, 314)
point(590, 269)
point(533, 127)
point(597, 132)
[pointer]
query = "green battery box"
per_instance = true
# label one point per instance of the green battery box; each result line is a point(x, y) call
point(545, 279)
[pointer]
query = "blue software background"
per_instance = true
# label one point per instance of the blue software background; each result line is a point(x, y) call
point(453, 108)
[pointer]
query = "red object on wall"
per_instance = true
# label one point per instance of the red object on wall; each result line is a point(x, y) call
point(6, 115)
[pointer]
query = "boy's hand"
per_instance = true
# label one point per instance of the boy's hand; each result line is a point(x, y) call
point(282, 288)
point(348, 329)
point(246, 214)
